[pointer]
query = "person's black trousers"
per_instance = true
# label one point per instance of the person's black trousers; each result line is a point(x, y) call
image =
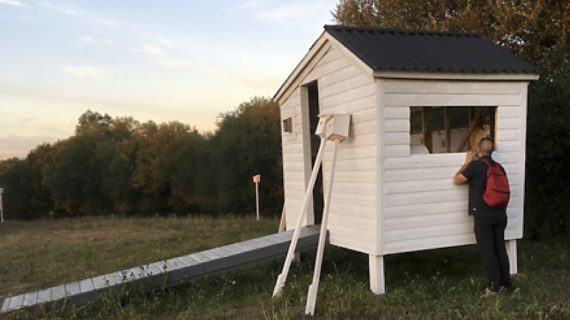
point(490, 235)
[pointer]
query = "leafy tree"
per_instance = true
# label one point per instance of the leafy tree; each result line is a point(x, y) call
point(159, 162)
point(248, 142)
point(73, 176)
point(548, 151)
point(25, 196)
point(529, 28)
point(118, 165)
point(121, 152)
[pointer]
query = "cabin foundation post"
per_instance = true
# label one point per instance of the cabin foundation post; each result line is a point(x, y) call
point(376, 270)
point(512, 252)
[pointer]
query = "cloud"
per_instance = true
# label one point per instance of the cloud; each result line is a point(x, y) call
point(259, 81)
point(94, 41)
point(283, 13)
point(150, 45)
point(86, 72)
point(73, 12)
point(157, 53)
point(16, 3)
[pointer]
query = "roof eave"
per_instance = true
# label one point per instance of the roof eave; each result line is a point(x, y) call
point(456, 76)
point(313, 52)
point(315, 47)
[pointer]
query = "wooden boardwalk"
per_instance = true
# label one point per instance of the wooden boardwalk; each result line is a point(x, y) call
point(170, 272)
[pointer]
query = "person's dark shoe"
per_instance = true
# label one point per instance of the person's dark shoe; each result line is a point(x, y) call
point(507, 283)
point(508, 287)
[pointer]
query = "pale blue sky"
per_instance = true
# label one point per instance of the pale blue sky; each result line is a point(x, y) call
point(159, 60)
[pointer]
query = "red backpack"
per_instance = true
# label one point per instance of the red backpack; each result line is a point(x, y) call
point(497, 192)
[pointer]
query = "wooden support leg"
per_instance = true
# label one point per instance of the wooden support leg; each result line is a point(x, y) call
point(376, 270)
point(512, 252)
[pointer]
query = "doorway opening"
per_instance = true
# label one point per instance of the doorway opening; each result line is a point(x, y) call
point(314, 141)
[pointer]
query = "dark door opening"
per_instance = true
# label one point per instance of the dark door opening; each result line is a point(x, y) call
point(315, 141)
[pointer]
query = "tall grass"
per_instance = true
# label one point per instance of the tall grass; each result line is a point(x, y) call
point(436, 284)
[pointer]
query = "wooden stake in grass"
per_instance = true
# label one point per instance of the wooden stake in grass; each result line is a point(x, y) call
point(257, 180)
point(1, 206)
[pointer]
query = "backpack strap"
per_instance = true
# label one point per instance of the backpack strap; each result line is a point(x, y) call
point(486, 162)
point(494, 165)
point(485, 177)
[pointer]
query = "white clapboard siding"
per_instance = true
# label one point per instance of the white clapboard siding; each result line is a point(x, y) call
point(354, 152)
point(508, 135)
point(415, 174)
point(420, 207)
point(442, 241)
point(343, 88)
point(354, 187)
point(293, 157)
point(509, 112)
point(421, 185)
point(443, 99)
point(419, 87)
point(345, 238)
point(420, 221)
point(353, 211)
point(417, 209)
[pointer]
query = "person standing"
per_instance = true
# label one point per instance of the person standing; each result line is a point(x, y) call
point(490, 221)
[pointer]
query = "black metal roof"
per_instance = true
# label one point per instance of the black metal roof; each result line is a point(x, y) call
point(427, 51)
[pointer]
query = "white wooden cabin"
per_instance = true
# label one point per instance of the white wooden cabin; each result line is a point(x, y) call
point(413, 97)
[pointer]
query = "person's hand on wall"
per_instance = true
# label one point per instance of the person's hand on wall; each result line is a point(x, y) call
point(459, 178)
point(469, 156)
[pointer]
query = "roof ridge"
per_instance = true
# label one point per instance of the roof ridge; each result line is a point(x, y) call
point(400, 31)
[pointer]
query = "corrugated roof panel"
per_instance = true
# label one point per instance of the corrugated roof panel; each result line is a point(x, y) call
point(426, 51)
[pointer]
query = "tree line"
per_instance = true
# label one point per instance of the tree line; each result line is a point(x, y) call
point(122, 166)
point(535, 30)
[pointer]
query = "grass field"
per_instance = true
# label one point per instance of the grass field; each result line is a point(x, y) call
point(437, 284)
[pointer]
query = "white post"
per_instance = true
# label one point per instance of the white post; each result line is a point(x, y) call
point(314, 287)
point(1, 206)
point(257, 201)
point(376, 270)
point(256, 180)
point(512, 253)
point(308, 195)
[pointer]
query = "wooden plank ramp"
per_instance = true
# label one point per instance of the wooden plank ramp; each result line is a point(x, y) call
point(171, 271)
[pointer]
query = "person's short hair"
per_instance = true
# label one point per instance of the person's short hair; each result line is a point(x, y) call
point(490, 139)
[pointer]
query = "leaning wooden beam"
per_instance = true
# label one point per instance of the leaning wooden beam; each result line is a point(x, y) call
point(282, 278)
point(170, 272)
point(314, 287)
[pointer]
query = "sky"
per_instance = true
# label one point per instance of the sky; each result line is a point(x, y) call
point(185, 60)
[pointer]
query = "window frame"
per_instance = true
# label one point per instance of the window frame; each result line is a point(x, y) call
point(447, 127)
